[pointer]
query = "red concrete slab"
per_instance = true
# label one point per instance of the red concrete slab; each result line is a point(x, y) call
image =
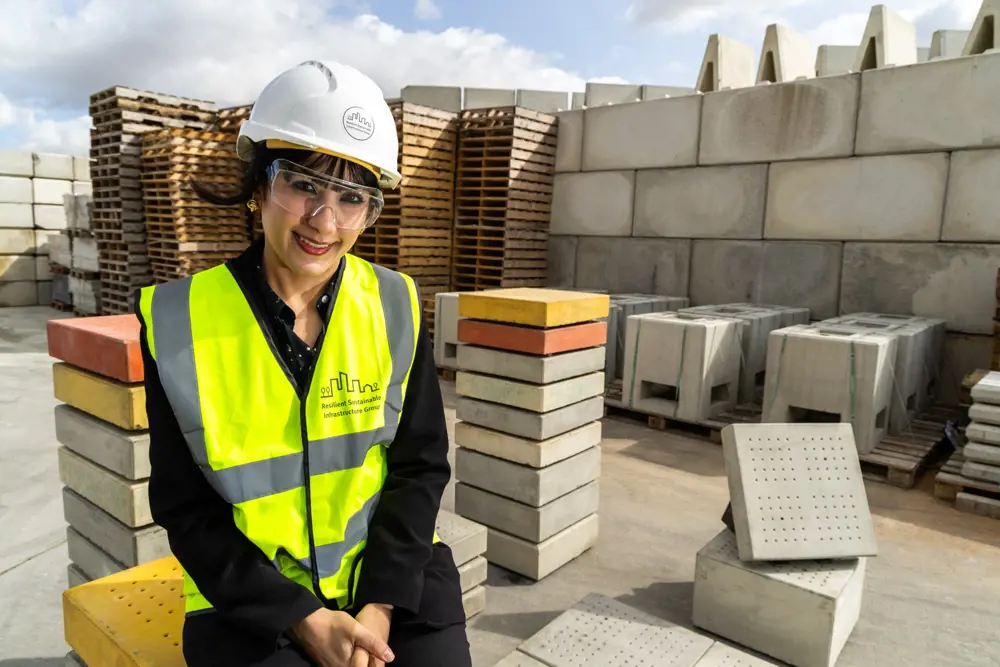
point(105, 344)
point(531, 340)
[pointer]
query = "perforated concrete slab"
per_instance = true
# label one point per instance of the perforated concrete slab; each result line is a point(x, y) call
point(531, 486)
point(518, 659)
point(534, 453)
point(533, 524)
point(529, 367)
point(987, 390)
point(466, 538)
point(601, 632)
point(801, 613)
point(986, 414)
point(797, 492)
point(527, 424)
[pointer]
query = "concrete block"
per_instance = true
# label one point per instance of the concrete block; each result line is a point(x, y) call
point(474, 601)
point(17, 242)
point(124, 453)
point(532, 340)
point(60, 252)
point(16, 268)
point(539, 370)
point(547, 101)
point(106, 345)
point(86, 258)
point(726, 64)
point(532, 453)
point(83, 188)
point(42, 237)
point(91, 560)
point(797, 492)
point(15, 190)
point(480, 98)
point(113, 401)
point(534, 524)
point(790, 316)
point(577, 100)
point(972, 201)
point(975, 504)
point(600, 94)
point(622, 307)
point(448, 98)
point(473, 573)
point(49, 216)
point(642, 135)
point(525, 424)
point(796, 120)
point(923, 54)
point(785, 56)
point(981, 472)
point(465, 538)
point(685, 368)
point(634, 265)
point(81, 168)
point(985, 454)
point(82, 216)
point(987, 390)
point(947, 44)
point(796, 274)
point(951, 281)
point(43, 271)
point(527, 485)
point(834, 60)
point(985, 413)
point(128, 546)
point(125, 500)
point(537, 561)
point(50, 191)
point(701, 202)
point(983, 435)
point(446, 329)
point(983, 36)
point(878, 198)
point(76, 577)
point(53, 165)
point(970, 85)
point(16, 216)
point(889, 41)
point(569, 141)
point(830, 374)
point(648, 92)
point(561, 266)
point(16, 163)
point(533, 307)
point(527, 396)
point(44, 292)
point(801, 613)
point(593, 204)
point(18, 294)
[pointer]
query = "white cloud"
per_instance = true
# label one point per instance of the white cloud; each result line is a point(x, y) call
point(426, 10)
point(38, 133)
point(690, 15)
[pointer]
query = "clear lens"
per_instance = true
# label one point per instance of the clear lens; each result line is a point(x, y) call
point(306, 193)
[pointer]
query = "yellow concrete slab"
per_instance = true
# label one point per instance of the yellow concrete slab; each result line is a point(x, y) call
point(113, 401)
point(535, 307)
point(133, 618)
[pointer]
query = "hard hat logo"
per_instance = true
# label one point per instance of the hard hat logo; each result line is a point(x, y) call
point(359, 124)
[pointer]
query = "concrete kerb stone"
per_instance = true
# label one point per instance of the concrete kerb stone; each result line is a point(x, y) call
point(538, 560)
point(527, 424)
point(534, 487)
point(889, 41)
point(642, 135)
point(86, 555)
point(125, 500)
point(473, 573)
point(785, 56)
point(125, 453)
point(538, 370)
point(128, 546)
point(526, 451)
point(527, 396)
point(727, 64)
point(474, 601)
point(980, 453)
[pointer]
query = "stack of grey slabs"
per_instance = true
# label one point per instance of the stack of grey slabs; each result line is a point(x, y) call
point(467, 541)
point(982, 452)
point(623, 306)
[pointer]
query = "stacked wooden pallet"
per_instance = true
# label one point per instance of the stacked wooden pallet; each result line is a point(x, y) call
point(413, 234)
point(228, 122)
point(120, 116)
point(506, 170)
point(996, 329)
point(185, 234)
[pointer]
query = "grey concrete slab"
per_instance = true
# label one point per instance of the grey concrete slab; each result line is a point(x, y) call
point(128, 546)
point(642, 265)
point(569, 141)
point(124, 453)
point(525, 451)
point(546, 101)
point(642, 135)
point(986, 414)
point(535, 369)
point(126, 500)
point(988, 454)
point(534, 524)
point(561, 266)
point(593, 204)
point(701, 202)
point(972, 202)
point(474, 601)
point(479, 98)
point(89, 557)
point(985, 434)
point(981, 471)
point(955, 282)
point(16, 163)
point(539, 560)
point(541, 398)
point(530, 486)
point(526, 424)
point(878, 198)
point(473, 573)
point(16, 216)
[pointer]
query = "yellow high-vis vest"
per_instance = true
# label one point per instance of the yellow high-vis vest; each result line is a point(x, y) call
point(303, 477)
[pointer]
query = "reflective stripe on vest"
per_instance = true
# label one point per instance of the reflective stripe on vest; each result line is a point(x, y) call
point(216, 365)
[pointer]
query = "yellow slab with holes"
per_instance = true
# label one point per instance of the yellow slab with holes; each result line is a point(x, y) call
point(533, 307)
point(119, 403)
point(133, 618)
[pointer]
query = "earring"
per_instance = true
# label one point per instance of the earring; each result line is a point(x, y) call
point(252, 205)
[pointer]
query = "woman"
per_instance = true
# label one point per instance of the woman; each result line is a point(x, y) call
point(297, 433)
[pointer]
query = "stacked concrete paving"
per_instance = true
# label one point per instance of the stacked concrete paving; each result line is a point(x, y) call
point(982, 452)
point(467, 541)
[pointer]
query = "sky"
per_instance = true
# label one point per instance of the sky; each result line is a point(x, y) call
point(55, 53)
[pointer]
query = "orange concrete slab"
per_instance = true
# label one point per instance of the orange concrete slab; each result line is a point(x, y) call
point(530, 340)
point(532, 306)
point(107, 345)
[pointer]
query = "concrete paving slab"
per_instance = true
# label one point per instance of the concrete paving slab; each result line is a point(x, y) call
point(797, 492)
point(533, 307)
point(801, 613)
point(16, 216)
point(983, 36)
point(597, 203)
point(701, 202)
point(879, 198)
point(16, 163)
point(634, 265)
point(987, 414)
point(971, 200)
point(125, 453)
point(91, 560)
point(473, 573)
point(537, 561)
point(125, 500)
point(526, 424)
point(986, 434)
point(526, 396)
point(981, 471)
point(642, 135)
point(785, 55)
point(534, 524)
point(889, 41)
point(727, 64)
point(530, 486)
point(834, 60)
point(796, 120)
point(569, 141)
point(987, 390)
point(532, 340)
point(118, 403)
point(947, 44)
point(535, 369)
point(525, 451)
point(127, 546)
point(986, 454)
point(467, 539)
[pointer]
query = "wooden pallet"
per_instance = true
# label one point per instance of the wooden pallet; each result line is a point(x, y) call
point(950, 482)
point(900, 460)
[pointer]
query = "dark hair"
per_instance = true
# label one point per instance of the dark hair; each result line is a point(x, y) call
point(255, 177)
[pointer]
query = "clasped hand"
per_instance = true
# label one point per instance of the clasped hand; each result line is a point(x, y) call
point(335, 639)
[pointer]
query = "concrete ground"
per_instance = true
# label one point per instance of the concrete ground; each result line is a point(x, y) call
point(932, 597)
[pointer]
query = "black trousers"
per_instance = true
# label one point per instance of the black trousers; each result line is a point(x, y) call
point(211, 641)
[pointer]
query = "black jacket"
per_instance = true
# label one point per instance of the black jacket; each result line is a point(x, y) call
point(401, 566)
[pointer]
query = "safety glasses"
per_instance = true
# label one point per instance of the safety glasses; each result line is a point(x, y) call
point(305, 193)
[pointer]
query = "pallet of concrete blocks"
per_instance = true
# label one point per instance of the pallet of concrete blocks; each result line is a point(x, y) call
point(979, 473)
point(530, 384)
point(102, 428)
point(788, 580)
point(682, 367)
point(599, 631)
point(467, 541)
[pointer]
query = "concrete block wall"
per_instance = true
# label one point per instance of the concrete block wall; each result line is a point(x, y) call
point(32, 219)
point(872, 191)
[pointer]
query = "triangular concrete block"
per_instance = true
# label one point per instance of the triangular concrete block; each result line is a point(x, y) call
point(983, 36)
point(948, 43)
point(727, 64)
point(832, 59)
point(785, 56)
point(890, 40)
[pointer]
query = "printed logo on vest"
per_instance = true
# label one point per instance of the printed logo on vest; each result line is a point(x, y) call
point(370, 396)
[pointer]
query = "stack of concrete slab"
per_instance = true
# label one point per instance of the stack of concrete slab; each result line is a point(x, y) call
point(788, 580)
point(530, 386)
point(681, 366)
point(104, 458)
point(996, 329)
point(982, 452)
point(467, 541)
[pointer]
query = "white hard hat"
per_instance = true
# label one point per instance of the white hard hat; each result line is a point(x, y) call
point(327, 107)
